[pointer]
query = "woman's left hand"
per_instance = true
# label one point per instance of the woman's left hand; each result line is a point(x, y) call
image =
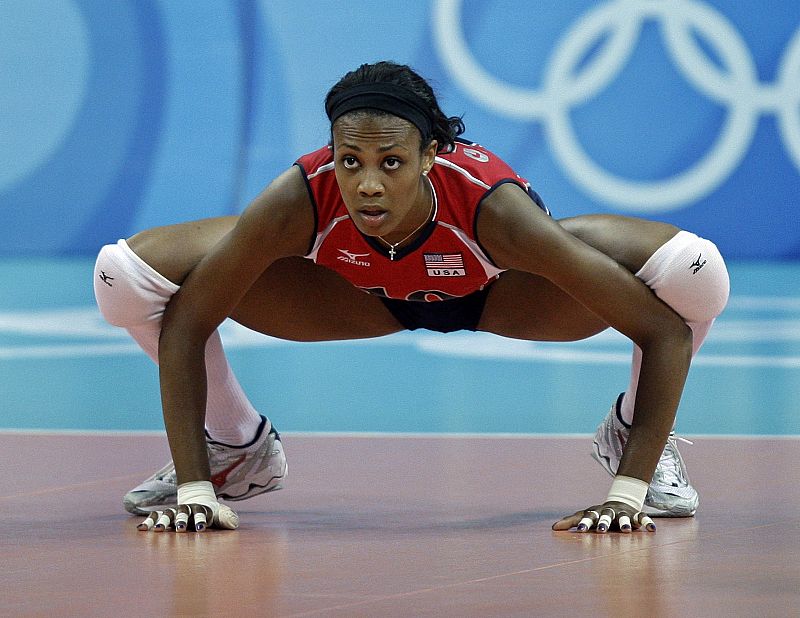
point(616, 516)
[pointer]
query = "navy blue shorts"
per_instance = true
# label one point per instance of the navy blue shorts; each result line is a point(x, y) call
point(444, 316)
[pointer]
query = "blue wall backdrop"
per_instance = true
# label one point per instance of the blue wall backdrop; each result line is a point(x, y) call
point(117, 116)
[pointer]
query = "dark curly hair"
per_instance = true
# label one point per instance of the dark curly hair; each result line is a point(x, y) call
point(445, 129)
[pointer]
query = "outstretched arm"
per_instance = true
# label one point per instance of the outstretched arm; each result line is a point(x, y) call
point(520, 236)
point(278, 223)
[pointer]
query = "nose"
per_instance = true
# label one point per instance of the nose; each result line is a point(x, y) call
point(370, 184)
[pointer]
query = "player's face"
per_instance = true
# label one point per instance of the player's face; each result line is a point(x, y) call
point(379, 169)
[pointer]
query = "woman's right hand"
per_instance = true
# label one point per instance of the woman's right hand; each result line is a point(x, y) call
point(191, 517)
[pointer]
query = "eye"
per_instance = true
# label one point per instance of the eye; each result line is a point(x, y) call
point(392, 163)
point(349, 162)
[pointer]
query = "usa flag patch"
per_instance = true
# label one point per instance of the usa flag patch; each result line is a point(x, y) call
point(444, 264)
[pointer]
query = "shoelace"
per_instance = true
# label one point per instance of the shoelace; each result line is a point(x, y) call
point(223, 451)
point(671, 468)
point(216, 448)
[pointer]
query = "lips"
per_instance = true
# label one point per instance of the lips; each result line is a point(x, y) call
point(373, 217)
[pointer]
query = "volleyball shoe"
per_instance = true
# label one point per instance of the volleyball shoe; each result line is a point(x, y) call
point(237, 473)
point(670, 494)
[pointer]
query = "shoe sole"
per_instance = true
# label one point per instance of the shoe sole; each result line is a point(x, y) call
point(654, 512)
point(255, 489)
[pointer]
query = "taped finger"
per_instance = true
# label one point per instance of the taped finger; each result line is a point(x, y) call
point(148, 523)
point(606, 517)
point(165, 520)
point(199, 517)
point(646, 522)
point(624, 523)
point(182, 519)
point(588, 521)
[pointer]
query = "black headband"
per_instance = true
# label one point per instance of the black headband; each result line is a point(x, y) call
point(395, 100)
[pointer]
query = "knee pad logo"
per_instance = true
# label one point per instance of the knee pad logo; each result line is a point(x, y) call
point(698, 264)
point(107, 279)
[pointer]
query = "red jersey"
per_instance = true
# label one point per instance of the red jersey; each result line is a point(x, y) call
point(444, 261)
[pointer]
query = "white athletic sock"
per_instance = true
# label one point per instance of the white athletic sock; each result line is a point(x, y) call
point(132, 295)
point(689, 274)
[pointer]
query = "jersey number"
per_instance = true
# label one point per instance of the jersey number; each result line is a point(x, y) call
point(477, 155)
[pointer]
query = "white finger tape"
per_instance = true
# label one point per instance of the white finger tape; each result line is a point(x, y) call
point(163, 520)
point(645, 521)
point(199, 520)
point(605, 519)
point(181, 520)
point(586, 521)
point(624, 522)
point(148, 523)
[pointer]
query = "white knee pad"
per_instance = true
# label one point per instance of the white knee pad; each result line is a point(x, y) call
point(129, 292)
point(689, 274)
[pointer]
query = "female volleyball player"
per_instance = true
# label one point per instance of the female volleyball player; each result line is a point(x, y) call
point(399, 224)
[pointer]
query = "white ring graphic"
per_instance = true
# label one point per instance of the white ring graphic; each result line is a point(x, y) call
point(620, 21)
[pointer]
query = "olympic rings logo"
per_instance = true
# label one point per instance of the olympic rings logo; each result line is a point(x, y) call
point(737, 88)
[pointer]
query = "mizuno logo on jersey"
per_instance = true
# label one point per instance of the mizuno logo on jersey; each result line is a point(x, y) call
point(445, 265)
point(352, 258)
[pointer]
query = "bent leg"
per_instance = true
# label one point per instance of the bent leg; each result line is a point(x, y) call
point(135, 280)
point(133, 295)
point(174, 250)
point(688, 274)
point(294, 298)
point(525, 306)
point(683, 270)
point(629, 241)
point(298, 300)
